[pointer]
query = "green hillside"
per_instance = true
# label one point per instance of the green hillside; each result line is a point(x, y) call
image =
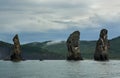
point(43, 50)
point(59, 48)
point(87, 48)
point(115, 48)
point(35, 51)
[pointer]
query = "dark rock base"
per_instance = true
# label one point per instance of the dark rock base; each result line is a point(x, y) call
point(74, 58)
point(101, 58)
point(15, 57)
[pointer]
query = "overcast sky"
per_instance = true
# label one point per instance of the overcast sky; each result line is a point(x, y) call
point(41, 20)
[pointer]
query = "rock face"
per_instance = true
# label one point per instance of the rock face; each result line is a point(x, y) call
point(73, 46)
point(16, 56)
point(102, 45)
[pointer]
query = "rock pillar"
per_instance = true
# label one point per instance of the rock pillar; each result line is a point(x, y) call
point(73, 45)
point(102, 45)
point(16, 56)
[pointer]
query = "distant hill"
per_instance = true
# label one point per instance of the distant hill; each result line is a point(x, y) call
point(57, 50)
point(5, 49)
point(115, 48)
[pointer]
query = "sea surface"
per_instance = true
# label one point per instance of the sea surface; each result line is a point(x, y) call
point(60, 69)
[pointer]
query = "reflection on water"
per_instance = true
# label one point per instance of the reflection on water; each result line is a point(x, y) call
point(60, 69)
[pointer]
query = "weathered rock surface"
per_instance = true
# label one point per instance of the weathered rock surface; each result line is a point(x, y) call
point(16, 56)
point(102, 46)
point(73, 45)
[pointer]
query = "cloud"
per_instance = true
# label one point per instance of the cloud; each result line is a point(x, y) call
point(37, 16)
point(56, 16)
point(53, 42)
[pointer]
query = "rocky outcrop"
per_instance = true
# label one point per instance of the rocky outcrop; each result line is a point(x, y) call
point(102, 45)
point(73, 45)
point(16, 56)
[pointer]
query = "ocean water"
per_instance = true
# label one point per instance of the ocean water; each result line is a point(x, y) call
point(60, 69)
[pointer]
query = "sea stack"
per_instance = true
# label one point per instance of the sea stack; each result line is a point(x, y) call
point(102, 46)
point(16, 55)
point(73, 46)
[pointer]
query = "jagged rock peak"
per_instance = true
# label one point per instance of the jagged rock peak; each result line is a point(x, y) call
point(16, 56)
point(102, 46)
point(73, 45)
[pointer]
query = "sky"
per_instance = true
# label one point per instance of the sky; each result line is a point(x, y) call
point(43, 20)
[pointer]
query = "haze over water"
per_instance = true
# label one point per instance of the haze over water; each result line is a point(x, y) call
point(60, 69)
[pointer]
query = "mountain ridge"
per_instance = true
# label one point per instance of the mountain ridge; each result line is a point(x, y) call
point(41, 50)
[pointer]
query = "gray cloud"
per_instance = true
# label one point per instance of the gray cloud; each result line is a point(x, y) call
point(16, 10)
point(27, 16)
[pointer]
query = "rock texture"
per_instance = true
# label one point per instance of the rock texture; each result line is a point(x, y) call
point(16, 56)
point(102, 46)
point(74, 46)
